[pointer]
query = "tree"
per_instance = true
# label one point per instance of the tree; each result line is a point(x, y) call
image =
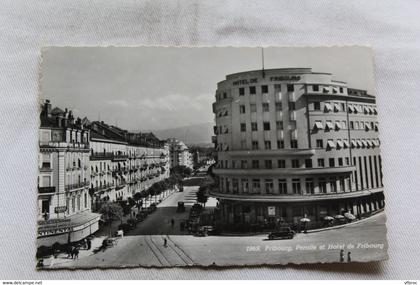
point(138, 198)
point(202, 195)
point(111, 212)
point(181, 170)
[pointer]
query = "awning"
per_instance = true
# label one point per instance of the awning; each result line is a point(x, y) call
point(225, 113)
point(370, 110)
point(338, 125)
point(225, 147)
point(353, 143)
point(359, 143)
point(335, 90)
point(330, 144)
point(367, 127)
point(336, 107)
point(366, 109)
point(375, 111)
point(340, 144)
point(364, 143)
point(351, 108)
point(346, 143)
point(327, 107)
point(376, 127)
point(293, 134)
point(375, 142)
point(329, 126)
point(370, 143)
point(318, 125)
point(326, 90)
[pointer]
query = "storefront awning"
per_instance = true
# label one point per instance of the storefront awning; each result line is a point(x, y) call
point(329, 126)
point(340, 144)
point(346, 144)
point(330, 144)
point(338, 125)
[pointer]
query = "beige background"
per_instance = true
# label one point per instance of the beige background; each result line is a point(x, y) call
point(391, 27)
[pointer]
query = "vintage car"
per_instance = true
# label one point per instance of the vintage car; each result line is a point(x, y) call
point(181, 207)
point(282, 233)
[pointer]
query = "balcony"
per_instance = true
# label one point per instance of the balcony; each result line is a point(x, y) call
point(293, 198)
point(271, 153)
point(75, 186)
point(283, 171)
point(62, 144)
point(120, 157)
point(46, 190)
point(101, 156)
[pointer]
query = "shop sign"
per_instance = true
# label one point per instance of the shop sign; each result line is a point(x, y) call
point(60, 209)
point(271, 211)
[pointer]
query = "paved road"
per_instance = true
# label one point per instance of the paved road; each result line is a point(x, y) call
point(159, 222)
point(184, 250)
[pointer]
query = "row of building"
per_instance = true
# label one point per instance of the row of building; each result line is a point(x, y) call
point(294, 143)
point(83, 164)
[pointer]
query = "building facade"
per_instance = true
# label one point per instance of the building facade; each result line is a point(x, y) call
point(123, 163)
point(294, 143)
point(180, 154)
point(64, 206)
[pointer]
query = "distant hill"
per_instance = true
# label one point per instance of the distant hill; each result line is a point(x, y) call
point(199, 134)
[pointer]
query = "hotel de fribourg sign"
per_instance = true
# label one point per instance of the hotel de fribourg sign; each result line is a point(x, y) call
point(273, 78)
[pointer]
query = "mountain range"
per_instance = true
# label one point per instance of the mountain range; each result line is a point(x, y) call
point(197, 134)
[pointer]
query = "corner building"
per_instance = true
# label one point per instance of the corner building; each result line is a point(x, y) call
point(293, 143)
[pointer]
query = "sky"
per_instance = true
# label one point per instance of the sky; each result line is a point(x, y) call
point(151, 88)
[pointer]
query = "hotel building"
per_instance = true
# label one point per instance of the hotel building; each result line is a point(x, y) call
point(293, 143)
point(64, 206)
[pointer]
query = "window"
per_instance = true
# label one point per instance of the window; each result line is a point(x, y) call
point(309, 186)
point(320, 143)
point(269, 186)
point(292, 106)
point(224, 95)
point(265, 107)
point(242, 109)
point(268, 164)
point(252, 90)
point(279, 125)
point(255, 185)
point(290, 88)
point(245, 187)
point(241, 91)
point(255, 164)
point(264, 89)
point(317, 106)
point(294, 144)
point(281, 163)
point(280, 144)
point(333, 185)
point(266, 126)
point(267, 144)
point(295, 163)
point(340, 161)
point(347, 161)
point(243, 127)
point(321, 162)
point(331, 162)
point(308, 163)
point(277, 87)
point(244, 164)
point(282, 186)
point(342, 184)
point(322, 185)
point(254, 126)
point(315, 88)
point(344, 125)
point(243, 144)
point(278, 106)
point(253, 108)
point(296, 186)
point(341, 89)
point(254, 144)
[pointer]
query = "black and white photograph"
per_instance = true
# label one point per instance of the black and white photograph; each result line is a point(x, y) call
point(155, 156)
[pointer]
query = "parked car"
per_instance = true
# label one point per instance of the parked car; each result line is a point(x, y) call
point(282, 233)
point(181, 207)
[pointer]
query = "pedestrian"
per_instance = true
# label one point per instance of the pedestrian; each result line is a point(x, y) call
point(89, 244)
point(70, 252)
point(85, 244)
point(165, 242)
point(172, 222)
point(341, 255)
point(349, 256)
point(76, 253)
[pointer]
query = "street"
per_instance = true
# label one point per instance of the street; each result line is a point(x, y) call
point(366, 236)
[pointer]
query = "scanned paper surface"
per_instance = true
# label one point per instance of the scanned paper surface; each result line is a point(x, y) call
point(164, 156)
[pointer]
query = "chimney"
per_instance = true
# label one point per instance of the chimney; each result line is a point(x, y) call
point(47, 108)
